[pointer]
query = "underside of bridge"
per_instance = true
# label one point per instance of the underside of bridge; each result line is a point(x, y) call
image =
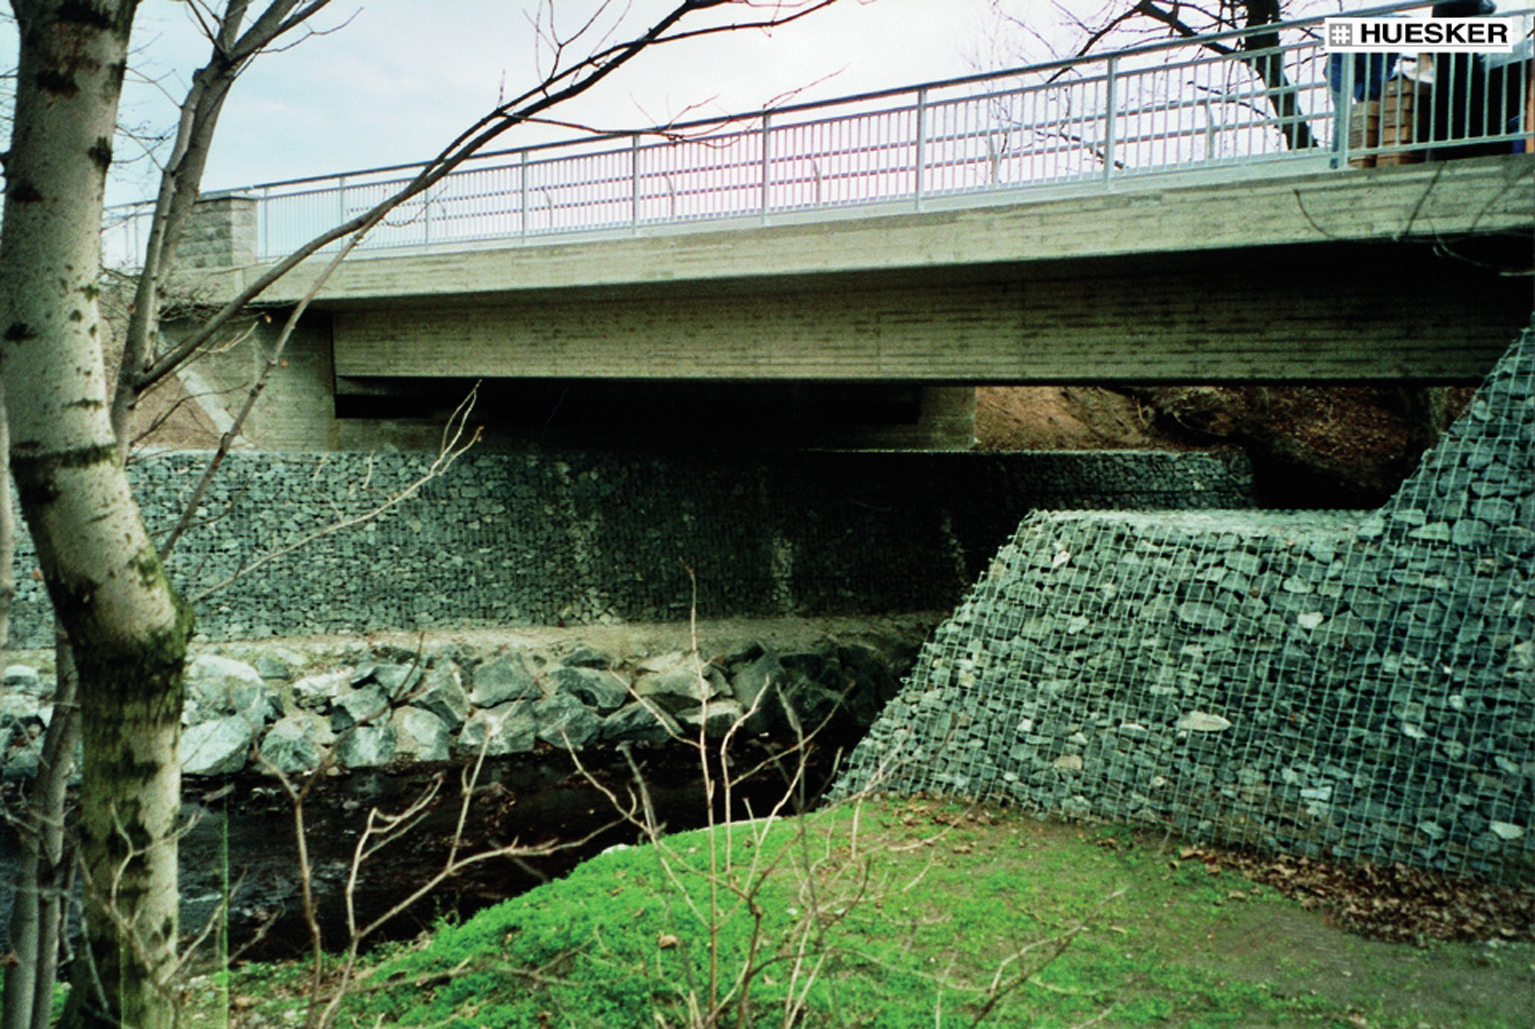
point(873, 331)
point(1346, 311)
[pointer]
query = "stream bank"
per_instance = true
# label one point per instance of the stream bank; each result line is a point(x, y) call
point(375, 722)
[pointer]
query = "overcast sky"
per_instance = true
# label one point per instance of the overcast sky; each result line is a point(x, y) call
point(397, 80)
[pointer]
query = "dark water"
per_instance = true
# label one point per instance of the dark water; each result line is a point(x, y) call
point(241, 843)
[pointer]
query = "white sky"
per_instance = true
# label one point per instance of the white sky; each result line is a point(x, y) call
point(402, 77)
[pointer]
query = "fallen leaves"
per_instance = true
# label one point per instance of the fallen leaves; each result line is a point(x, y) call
point(1396, 902)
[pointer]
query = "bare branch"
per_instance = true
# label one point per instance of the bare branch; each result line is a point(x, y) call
point(557, 89)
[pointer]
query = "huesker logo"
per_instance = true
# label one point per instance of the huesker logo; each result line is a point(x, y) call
point(1445, 35)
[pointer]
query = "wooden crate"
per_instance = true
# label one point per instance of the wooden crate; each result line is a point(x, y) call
point(1363, 132)
point(1402, 105)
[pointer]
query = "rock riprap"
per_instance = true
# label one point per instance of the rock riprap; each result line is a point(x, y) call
point(387, 706)
point(1356, 685)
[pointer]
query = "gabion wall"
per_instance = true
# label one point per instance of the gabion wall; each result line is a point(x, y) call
point(1356, 685)
point(509, 539)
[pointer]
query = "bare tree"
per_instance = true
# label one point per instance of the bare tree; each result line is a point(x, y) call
point(1258, 50)
point(1130, 22)
point(127, 623)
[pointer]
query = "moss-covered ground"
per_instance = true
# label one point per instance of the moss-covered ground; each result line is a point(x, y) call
point(904, 913)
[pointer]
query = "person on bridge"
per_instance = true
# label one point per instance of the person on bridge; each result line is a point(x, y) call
point(1471, 98)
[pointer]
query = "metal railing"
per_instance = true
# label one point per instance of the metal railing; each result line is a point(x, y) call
point(1214, 102)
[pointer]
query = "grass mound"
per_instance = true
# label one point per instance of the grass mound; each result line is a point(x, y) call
point(912, 913)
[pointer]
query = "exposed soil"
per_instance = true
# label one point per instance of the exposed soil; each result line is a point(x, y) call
point(1311, 446)
point(1396, 903)
point(1070, 418)
point(1308, 954)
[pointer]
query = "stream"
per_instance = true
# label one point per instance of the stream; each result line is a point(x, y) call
point(240, 842)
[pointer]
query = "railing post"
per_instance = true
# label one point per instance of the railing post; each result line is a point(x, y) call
point(1110, 116)
point(1342, 93)
point(767, 165)
point(921, 169)
point(426, 217)
point(634, 182)
point(523, 186)
point(264, 224)
point(340, 199)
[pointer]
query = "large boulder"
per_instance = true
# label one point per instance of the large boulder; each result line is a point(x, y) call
point(319, 690)
point(678, 680)
point(219, 686)
point(396, 679)
point(757, 683)
point(218, 747)
point(587, 657)
point(639, 723)
point(601, 690)
point(420, 735)
point(366, 746)
point(19, 710)
point(442, 693)
point(503, 678)
point(296, 743)
point(23, 677)
point(359, 706)
point(818, 691)
point(563, 721)
point(717, 717)
point(507, 729)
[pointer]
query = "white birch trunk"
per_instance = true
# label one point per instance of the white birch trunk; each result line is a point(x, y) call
point(128, 627)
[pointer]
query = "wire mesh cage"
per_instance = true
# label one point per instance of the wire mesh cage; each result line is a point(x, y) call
point(1354, 685)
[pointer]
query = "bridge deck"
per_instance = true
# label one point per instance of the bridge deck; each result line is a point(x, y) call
point(1322, 276)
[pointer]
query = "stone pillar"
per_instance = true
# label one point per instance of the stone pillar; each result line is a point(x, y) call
point(221, 233)
point(946, 420)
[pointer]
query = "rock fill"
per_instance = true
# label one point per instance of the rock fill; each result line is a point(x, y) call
point(389, 706)
point(508, 539)
point(1355, 685)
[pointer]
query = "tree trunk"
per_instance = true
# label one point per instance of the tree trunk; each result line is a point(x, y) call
point(7, 529)
point(1270, 68)
point(128, 627)
point(42, 882)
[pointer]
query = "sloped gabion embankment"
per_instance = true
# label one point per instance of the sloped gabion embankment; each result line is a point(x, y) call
point(1359, 685)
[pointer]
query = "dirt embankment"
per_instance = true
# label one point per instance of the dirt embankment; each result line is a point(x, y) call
point(1311, 446)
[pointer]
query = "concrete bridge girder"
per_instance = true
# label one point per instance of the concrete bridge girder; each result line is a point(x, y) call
point(1310, 277)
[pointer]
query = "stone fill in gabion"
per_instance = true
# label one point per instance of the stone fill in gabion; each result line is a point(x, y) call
point(589, 538)
point(1356, 685)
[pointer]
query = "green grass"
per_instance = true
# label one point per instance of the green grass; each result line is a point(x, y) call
point(917, 912)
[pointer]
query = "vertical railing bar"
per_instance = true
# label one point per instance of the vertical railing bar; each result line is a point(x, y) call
point(263, 224)
point(1111, 103)
point(426, 216)
point(767, 159)
point(634, 182)
point(921, 144)
point(1343, 100)
point(523, 187)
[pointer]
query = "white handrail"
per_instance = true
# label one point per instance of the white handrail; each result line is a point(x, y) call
point(1090, 122)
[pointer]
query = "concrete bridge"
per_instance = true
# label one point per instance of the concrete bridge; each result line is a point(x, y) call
point(898, 250)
